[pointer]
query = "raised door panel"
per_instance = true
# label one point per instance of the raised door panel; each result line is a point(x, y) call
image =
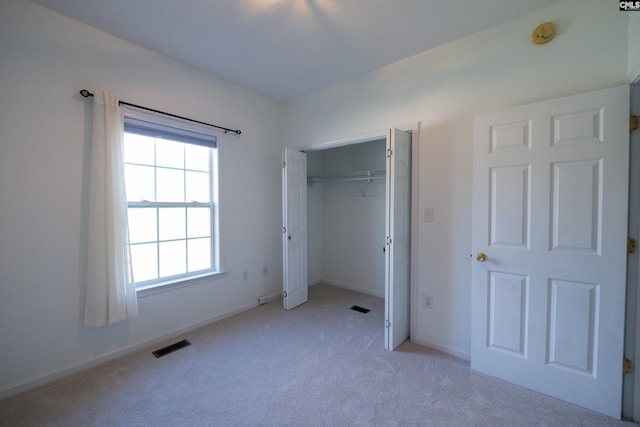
point(508, 313)
point(510, 136)
point(578, 127)
point(574, 309)
point(510, 202)
point(576, 209)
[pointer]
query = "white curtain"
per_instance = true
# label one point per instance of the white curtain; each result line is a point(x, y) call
point(110, 293)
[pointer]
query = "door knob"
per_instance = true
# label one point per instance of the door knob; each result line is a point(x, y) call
point(480, 257)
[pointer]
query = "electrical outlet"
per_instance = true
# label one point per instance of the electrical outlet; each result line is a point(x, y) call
point(427, 301)
point(245, 276)
point(265, 270)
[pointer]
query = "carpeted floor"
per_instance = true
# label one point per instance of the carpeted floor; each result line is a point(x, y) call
point(320, 364)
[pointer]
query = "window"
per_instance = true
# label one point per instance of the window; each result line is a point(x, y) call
point(171, 182)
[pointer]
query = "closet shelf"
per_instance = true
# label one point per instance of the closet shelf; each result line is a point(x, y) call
point(351, 176)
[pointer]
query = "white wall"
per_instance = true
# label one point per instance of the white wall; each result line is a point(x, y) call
point(45, 59)
point(350, 237)
point(443, 88)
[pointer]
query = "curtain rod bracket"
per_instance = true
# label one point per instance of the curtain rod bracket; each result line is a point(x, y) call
point(86, 94)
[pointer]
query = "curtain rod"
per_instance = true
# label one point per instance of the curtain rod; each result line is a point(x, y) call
point(86, 94)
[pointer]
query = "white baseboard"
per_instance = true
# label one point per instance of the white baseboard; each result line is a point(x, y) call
point(36, 382)
point(444, 349)
point(352, 288)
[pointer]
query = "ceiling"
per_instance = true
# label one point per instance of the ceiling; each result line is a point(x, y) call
point(285, 49)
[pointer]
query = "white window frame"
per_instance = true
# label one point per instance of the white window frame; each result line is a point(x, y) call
point(188, 133)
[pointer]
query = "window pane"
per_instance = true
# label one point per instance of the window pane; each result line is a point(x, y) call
point(139, 183)
point(198, 222)
point(173, 258)
point(198, 187)
point(172, 223)
point(145, 262)
point(170, 236)
point(170, 185)
point(197, 157)
point(169, 153)
point(138, 149)
point(199, 254)
point(142, 225)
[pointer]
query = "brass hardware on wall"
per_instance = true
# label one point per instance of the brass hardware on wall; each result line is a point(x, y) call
point(631, 245)
point(633, 123)
point(544, 33)
point(627, 366)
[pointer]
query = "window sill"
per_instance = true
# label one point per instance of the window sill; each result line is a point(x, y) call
point(161, 287)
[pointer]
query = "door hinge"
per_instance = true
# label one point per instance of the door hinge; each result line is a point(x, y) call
point(627, 366)
point(284, 164)
point(631, 245)
point(284, 294)
point(284, 230)
point(389, 152)
point(387, 324)
point(389, 241)
point(633, 123)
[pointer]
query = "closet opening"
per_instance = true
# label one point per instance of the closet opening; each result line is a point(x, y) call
point(347, 222)
point(346, 197)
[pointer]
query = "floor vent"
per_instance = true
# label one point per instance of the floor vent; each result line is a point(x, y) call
point(360, 309)
point(171, 348)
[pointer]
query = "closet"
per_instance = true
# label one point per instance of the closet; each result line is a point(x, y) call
point(346, 192)
point(347, 222)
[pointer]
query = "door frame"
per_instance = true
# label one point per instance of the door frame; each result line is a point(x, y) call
point(631, 383)
point(374, 135)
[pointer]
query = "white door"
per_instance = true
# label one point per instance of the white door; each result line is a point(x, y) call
point(550, 217)
point(398, 259)
point(294, 230)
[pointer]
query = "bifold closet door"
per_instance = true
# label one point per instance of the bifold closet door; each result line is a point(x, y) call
point(294, 228)
point(398, 232)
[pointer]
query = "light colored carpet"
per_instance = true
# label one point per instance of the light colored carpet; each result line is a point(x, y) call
point(320, 364)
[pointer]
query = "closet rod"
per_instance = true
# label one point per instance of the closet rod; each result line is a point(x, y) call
point(86, 94)
point(352, 176)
